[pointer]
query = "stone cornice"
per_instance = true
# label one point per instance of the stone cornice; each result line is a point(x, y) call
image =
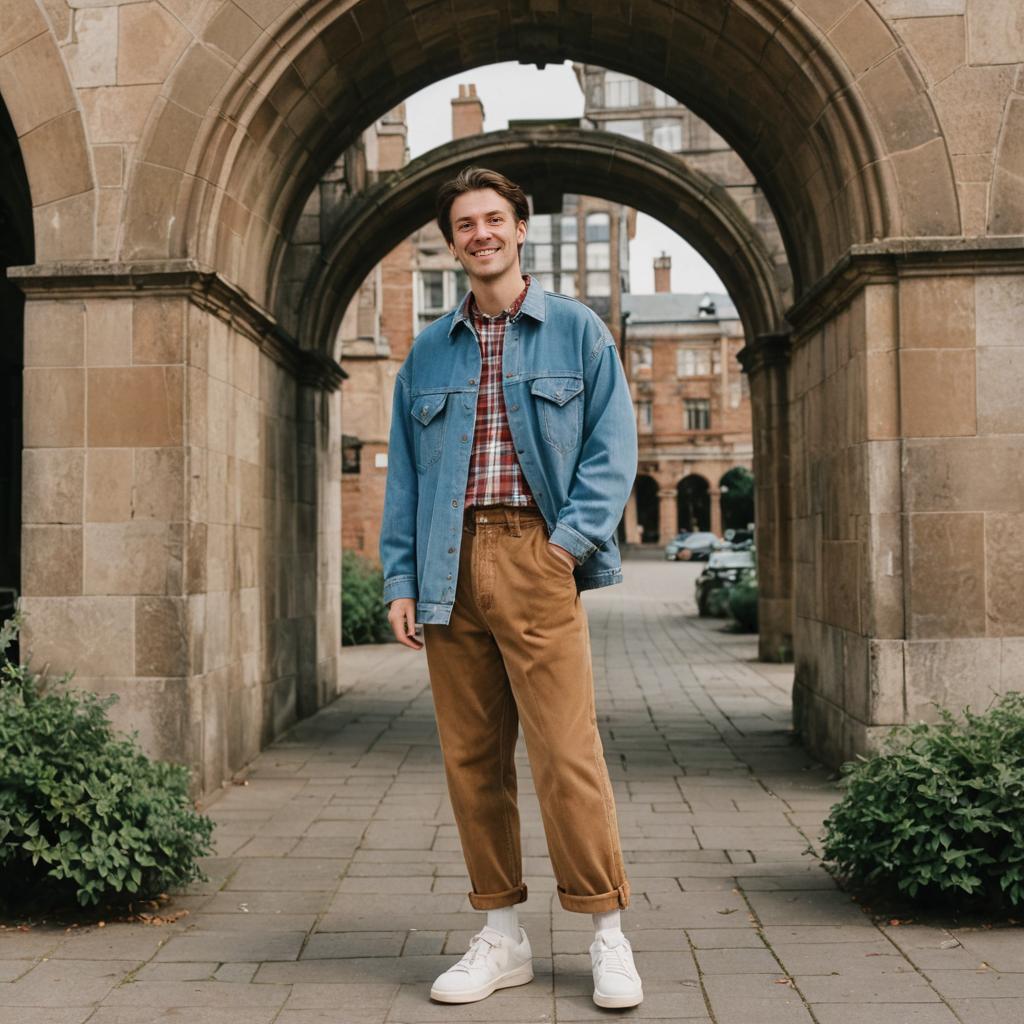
point(767, 350)
point(203, 286)
point(886, 261)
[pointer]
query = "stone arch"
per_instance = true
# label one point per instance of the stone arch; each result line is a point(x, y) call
point(544, 159)
point(833, 119)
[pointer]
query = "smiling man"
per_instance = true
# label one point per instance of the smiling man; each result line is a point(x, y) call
point(512, 454)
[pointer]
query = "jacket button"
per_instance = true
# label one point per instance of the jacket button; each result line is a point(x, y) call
point(472, 380)
point(455, 504)
point(449, 575)
point(451, 551)
point(465, 437)
point(515, 408)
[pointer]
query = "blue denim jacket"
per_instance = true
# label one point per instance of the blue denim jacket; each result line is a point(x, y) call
point(572, 423)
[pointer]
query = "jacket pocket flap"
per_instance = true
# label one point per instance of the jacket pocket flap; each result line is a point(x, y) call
point(426, 407)
point(557, 389)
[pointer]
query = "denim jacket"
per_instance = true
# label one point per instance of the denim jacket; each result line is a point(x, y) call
point(572, 423)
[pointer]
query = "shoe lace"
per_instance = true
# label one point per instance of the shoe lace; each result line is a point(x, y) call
point(615, 960)
point(479, 946)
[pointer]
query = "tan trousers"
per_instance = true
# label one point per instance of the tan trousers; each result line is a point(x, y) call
point(517, 650)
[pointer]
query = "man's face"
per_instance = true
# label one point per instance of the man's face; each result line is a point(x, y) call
point(485, 234)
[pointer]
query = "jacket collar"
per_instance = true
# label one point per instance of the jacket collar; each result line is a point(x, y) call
point(533, 305)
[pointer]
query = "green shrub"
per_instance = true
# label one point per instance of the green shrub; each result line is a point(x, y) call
point(84, 814)
point(938, 813)
point(743, 601)
point(364, 616)
point(718, 601)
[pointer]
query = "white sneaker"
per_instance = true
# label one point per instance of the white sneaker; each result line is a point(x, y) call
point(493, 961)
point(616, 981)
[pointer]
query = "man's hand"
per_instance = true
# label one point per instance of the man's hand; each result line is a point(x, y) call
point(402, 616)
point(563, 554)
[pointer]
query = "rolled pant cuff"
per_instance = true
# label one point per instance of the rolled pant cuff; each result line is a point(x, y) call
point(617, 899)
point(495, 900)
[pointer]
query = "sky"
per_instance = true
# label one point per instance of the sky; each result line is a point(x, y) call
point(512, 90)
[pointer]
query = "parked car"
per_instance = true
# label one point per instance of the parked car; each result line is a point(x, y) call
point(697, 547)
point(739, 540)
point(675, 544)
point(724, 570)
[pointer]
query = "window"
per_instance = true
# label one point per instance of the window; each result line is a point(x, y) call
point(568, 255)
point(620, 90)
point(643, 360)
point(599, 255)
point(662, 99)
point(351, 447)
point(432, 291)
point(540, 228)
point(644, 417)
point(668, 137)
point(598, 227)
point(546, 281)
point(437, 292)
point(599, 284)
point(537, 257)
point(698, 414)
point(569, 228)
point(567, 284)
point(631, 129)
point(693, 362)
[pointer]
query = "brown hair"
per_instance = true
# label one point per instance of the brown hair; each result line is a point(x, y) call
point(472, 179)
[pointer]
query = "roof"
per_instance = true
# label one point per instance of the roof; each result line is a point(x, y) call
point(673, 307)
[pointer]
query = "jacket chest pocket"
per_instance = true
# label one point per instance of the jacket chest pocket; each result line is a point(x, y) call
point(429, 416)
point(559, 404)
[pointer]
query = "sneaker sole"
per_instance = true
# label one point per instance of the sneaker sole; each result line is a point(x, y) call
point(519, 976)
point(617, 1002)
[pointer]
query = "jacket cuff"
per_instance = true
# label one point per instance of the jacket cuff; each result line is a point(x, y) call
point(573, 542)
point(400, 586)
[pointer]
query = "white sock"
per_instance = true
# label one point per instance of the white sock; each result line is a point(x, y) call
point(608, 923)
point(505, 920)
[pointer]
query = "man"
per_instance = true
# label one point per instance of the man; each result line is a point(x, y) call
point(512, 454)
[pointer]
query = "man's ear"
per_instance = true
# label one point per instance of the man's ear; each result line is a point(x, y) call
point(521, 232)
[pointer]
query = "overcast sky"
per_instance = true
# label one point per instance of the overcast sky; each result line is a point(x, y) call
point(512, 90)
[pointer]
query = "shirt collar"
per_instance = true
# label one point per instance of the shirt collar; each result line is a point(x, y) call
point(529, 301)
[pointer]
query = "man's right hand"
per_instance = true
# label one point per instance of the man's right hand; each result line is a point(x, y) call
point(402, 616)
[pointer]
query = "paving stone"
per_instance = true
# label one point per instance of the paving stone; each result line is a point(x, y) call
point(522, 1004)
point(151, 995)
point(737, 961)
point(895, 1013)
point(978, 984)
point(329, 946)
point(903, 987)
point(285, 875)
point(112, 942)
point(235, 945)
point(177, 1014)
point(62, 983)
point(986, 1011)
point(46, 1014)
point(841, 958)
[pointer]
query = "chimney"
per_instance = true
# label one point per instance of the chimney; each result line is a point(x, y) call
point(663, 273)
point(467, 113)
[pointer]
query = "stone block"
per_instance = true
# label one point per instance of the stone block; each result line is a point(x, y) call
point(970, 103)
point(1004, 551)
point(108, 485)
point(928, 194)
point(150, 40)
point(65, 229)
point(158, 331)
point(937, 312)
point(885, 682)
point(245, 365)
point(964, 474)
point(232, 31)
point(51, 561)
point(19, 23)
point(34, 83)
point(142, 557)
point(939, 44)
point(92, 57)
point(57, 179)
point(937, 392)
point(161, 641)
point(171, 145)
point(54, 402)
point(89, 635)
point(999, 299)
point(862, 39)
point(920, 8)
point(138, 405)
point(840, 568)
point(159, 491)
point(996, 32)
point(108, 332)
point(197, 79)
point(951, 673)
point(54, 333)
point(109, 164)
point(219, 415)
point(1000, 384)
point(52, 480)
point(117, 113)
point(946, 596)
point(903, 111)
point(881, 395)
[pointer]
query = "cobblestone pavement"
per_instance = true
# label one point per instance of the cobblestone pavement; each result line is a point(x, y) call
point(338, 891)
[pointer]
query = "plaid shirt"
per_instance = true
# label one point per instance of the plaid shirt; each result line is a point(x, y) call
point(495, 476)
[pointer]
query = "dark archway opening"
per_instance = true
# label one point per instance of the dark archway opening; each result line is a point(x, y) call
point(647, 513)
point(693, 503)
point(737, 487)
point(16, 248)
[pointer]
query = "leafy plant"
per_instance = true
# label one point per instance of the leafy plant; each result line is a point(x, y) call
point(84, 814)
point(364, 616)
point(938, 813)
point(743, 600)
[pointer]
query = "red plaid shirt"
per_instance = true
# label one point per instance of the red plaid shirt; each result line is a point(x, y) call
point(495, 476)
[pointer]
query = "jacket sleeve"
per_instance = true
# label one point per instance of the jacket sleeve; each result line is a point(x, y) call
point(398, 525)
point(607, 463)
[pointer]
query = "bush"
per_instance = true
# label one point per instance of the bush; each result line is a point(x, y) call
point(743, 601)
point(938, 814)
point(364, 616)
point(84, 814)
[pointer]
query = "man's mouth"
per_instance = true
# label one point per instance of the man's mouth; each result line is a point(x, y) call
point(485, 252)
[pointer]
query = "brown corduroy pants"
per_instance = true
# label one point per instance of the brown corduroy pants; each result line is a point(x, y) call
point(517, 650)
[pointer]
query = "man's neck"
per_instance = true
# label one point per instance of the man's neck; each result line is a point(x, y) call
point(494, 296)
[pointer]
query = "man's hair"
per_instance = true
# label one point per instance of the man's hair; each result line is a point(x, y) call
point(472, 179)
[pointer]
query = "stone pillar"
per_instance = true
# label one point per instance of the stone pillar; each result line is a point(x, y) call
point(668, 514)
point(631, 521)
point(180, 487)
point(715, 499)
point(767, 364)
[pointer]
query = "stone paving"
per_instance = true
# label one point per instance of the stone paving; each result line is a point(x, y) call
point(338, 891)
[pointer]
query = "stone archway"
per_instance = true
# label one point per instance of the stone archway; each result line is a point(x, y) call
point(693, 497)
point(205, 591)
